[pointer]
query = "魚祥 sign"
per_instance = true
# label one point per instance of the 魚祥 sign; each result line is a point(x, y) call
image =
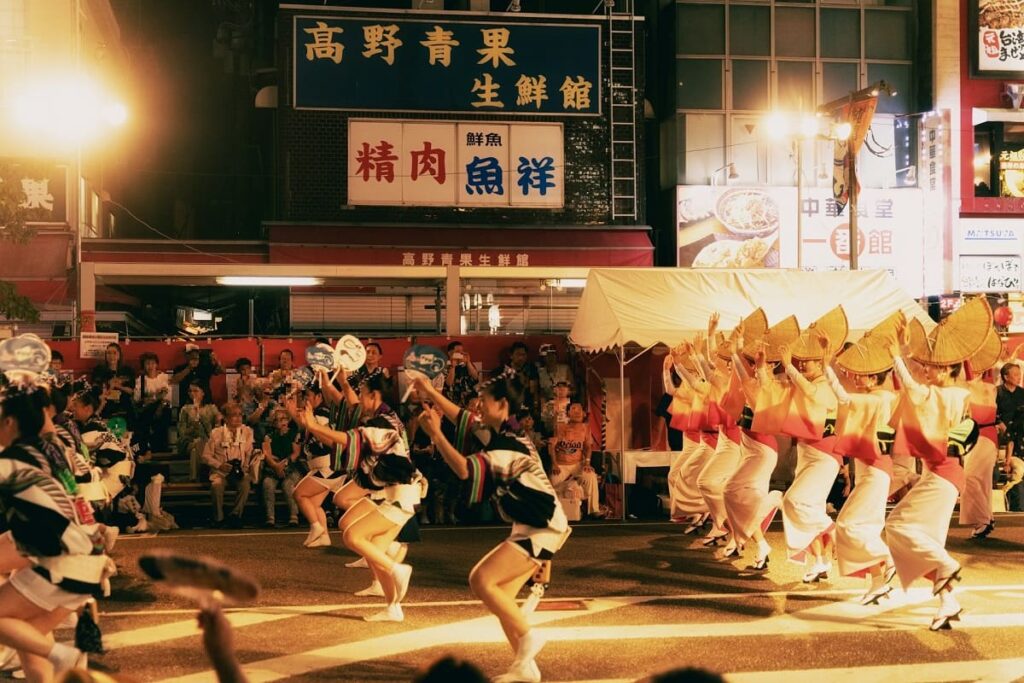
point(440, 65)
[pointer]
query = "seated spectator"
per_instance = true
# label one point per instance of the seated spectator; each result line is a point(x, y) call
point(255, 406)
point(281, 449)
point(556, 411)
point(229, 455)
point(152, 406)
point(519, 365)
point(246, 374)
point(462, 377)
point(199, 367)
point(526, 428)
point(286, 366)
point(570, 450)
point(551, 373)
point(371, 368)
point(196, 421)
point(113, 365)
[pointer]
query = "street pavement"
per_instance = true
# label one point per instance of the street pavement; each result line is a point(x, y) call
point(626, 601)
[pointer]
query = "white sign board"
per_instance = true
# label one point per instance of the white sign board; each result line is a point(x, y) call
point(990, 273)
point(94, 344)
point(448, 163)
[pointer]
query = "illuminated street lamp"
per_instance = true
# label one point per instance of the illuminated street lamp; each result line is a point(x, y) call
point(797, 128)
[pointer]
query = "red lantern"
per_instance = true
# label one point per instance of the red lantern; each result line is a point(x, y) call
point(1003, 316)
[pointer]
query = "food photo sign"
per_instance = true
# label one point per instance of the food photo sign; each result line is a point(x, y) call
point(997, 36)
point(731, 227)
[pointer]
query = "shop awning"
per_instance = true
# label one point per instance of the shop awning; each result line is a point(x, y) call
point(445, 244)
point(648, 306)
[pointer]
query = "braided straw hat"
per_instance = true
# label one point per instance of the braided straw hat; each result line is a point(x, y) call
point(754, 326)
point(988, 355)
point(778, 335)
point(681, 357)
point(956, 338)
point(871, 354)
point(833, 325)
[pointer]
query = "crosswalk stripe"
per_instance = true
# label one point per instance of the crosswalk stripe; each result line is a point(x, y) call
point(986, 671)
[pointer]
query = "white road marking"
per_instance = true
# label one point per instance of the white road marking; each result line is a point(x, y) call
point(482, 629)
point(992, 670)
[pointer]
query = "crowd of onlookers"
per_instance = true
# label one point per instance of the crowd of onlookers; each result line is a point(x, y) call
point(250, 441)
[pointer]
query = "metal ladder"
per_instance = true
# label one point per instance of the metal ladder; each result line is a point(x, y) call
point(622, 114)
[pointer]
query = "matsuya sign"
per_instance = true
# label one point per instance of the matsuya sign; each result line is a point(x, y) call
point(440, 65)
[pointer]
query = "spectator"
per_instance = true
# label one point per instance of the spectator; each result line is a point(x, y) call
point(246, 374)
point(229, 455)
point(196, 421)
point(56, 362)
point(111, 366)
point(281, 447)
point(152, 407)
point(556, 411)
point(570, 459)
point(686, 675)
point(371, 368)
point(199, 367)
point(551, 373)
point(285, 367)
point(462, 378)
point(520, 366)
point(451, 670)
point(1010, 426)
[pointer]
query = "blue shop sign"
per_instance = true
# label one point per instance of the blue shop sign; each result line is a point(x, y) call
point(444, 66)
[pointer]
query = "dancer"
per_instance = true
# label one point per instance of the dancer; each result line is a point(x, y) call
point(322, 478)
point(749, 504)
point(381, 495)
point(811, 421)
point(507, 468)
point(686, 504)
point(976, 500)
point(864, 435)
point(53, 530)
point(927, 413)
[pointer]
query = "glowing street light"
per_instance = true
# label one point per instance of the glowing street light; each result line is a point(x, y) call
point(66, 111)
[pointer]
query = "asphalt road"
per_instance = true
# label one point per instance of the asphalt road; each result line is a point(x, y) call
point(627, 600)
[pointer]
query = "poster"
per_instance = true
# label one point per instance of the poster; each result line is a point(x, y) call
point(94, 344)
point(732, 227)
point(1000, 35)
point(450, 163)
point(990, 273)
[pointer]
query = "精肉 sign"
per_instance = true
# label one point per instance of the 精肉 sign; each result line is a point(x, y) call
point(440, 65)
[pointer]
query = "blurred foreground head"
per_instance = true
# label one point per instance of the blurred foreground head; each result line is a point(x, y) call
point(451, 670)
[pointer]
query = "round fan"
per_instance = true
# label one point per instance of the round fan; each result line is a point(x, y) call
point(201, 578)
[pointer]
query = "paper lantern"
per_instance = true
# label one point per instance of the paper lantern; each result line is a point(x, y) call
point(1002, 316)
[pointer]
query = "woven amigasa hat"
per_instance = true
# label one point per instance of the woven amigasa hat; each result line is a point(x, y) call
point(988, 355)
point(780, 334)
point(871, 354)
point(835, 328)
point(754, 326)
point(681, 357)
point(956, 338)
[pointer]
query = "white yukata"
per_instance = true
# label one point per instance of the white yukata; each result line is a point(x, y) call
point(917, 527)
point(976, 500)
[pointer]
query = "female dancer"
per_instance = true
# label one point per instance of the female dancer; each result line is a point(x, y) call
point(917, 527)
point(749, 504)
point(322, 478)
point(686, 503)
point(976, 501)
point(67, 560)
point(381, 496)
point(508, 468)
point(811, 422)
point(863, 434)
point(723, 463)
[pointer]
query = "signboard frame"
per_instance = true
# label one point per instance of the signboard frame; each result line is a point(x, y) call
point(974, 47)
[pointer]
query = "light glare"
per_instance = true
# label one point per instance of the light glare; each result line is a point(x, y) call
point(268, 281)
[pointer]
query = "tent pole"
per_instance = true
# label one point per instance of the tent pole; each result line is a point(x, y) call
point(622, 424)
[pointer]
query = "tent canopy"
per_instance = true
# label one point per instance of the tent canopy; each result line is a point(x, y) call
point(649, 306)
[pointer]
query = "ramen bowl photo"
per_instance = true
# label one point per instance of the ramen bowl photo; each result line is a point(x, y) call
point(747, 213)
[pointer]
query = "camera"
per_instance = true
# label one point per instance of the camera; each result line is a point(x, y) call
point(236, 470)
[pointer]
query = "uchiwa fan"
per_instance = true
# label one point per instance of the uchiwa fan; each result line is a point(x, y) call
point(833, 325)
point(956, 338)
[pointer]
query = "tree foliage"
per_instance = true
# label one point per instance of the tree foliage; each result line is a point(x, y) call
point(14, 228)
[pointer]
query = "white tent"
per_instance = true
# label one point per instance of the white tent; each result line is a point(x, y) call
point(646, 307)
point(650, 306)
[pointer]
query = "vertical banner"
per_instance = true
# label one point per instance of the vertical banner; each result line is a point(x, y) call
point(483, 164)
point(374, 162)
point(859, 115)
point(428, 178)
point(536, 160)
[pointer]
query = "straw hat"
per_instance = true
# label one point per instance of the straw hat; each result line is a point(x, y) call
point(871, 354)
point(681, 357)
point(778, 335)
point(754, 326)
point(989, 353)
point(835, 328)
point(956, 338)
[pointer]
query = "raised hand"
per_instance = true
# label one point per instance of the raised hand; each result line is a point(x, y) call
point(786, 355)
point(713, 324)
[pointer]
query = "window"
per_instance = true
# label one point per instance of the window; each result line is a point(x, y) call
point(750, 30)
point(840, 33)
point(704, 136)
point(887, 35)
point(701, 29)
point(794, 32)
point(699, 84)
point(796, 86)
point(750, 84)
point(899, 79)
point(839, 79)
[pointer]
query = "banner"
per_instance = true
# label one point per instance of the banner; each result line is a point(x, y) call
point(440, 65)
point(859, 115)
point(747, 227)
point(448, 163)
point(1000, 35)
point(990, 274)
